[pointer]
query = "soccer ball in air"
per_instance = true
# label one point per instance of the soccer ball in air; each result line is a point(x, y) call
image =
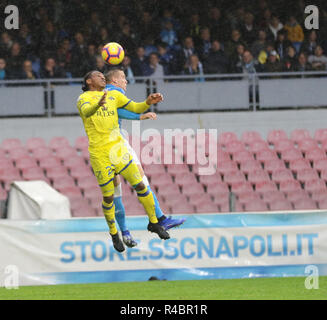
point(113, 53)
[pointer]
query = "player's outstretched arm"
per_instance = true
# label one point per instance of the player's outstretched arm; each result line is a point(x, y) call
point(88, 108)
point(154, 98)
point(148, 115)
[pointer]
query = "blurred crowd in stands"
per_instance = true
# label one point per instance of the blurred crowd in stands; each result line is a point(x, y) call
point(61, 39)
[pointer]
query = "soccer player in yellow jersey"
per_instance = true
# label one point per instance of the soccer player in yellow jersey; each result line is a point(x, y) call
point(108, 154)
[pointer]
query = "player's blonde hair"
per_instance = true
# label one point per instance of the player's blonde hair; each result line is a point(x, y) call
point(110, 75)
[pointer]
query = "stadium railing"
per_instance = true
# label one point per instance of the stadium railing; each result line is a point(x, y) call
point(252, 92)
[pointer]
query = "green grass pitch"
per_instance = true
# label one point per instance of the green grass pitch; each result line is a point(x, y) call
point(231, 289)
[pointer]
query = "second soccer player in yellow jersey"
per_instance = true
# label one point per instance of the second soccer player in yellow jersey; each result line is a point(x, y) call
point(108, 154)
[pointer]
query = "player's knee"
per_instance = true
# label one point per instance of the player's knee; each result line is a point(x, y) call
point(141, 186)
point(108, 199)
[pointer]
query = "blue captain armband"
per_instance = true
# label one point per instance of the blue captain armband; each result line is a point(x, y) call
point(128, 115)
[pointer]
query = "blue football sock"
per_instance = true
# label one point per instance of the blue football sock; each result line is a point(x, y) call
point(120, 213)
point(159, 212)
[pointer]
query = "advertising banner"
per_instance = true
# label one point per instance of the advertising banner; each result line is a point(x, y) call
point(207, 246)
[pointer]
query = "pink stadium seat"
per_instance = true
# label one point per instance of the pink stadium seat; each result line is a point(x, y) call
point(305, 175)
point(291, 155)
point(289, 185)
point(84, 212)
point(166, 190)
point(280, 205)
point(272, 196)
point(49, 162)
point(86, 155)
point(316, 184)
point(272, 165)
point(283, 145)
point(58, 142)
point(221, 198)
point(250, 136)
point(183, 179)
point(71, 192)
point(206, 207)
point(219, 188)
point(226, 166)
point(182, 208)
point(299, 165)
point(222, 156)
point(24, 163)
point(204, 197)
point(210, 179)
point(249, 196)
point(79, 172)
point(296, 195)
point(6, 163)
point(240, 187)
point(233, 177)
point(192, 189)
point(258, 205)
point(266, 155)
point(234, 147)
point(8, 176)
point(282, 175)
point(74, 161)
point(2, 153)
point(257, 176)
point(18, 153)
point(35, 143)
point(319, 194)
point(41, 153)
point(322, 204)
point(56, 172)
point(320, 164)
point(176, 168)
point(154, 168)
point(63, 182)
point(250, 166)
point(160, 179)
point(320, 135)
point(316, 154)
point(66, 152)
point(265, 186)
point(257, 146)
point(34, 173)
point(305, 204)
point(276, 135)
point(95, 195)
point(81, 143)
point(226, 137)
point(78, 203)
point(242, 156)
point(11, 143)
point(324, 145)
point(307, 145)
point(173, 199)
point(298, 135)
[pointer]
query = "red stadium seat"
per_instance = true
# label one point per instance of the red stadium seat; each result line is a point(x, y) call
point(56, 172)
point(250, 166)
point(320, 164)
point(49, 162)
point(226, 137)
point(154, 168)
point(35, 143)
point(282, 175)
point(79, 172)
point(204, 197)
point(71, 192)
point(299, 165)
point(281, 205)
point(258, 205)
point(192, 189)
point(86, 155)
point(160, 179)
point(324, 145)
point(74, 161)
point(221, 198)
point(242, 156)
point(84, 212)
point(11, 143)
point(206, 207)
point(42, 152)
point(298, 135)
point(183, 179)
point(273, 165)
point(316, 154)
point(265, 186)
point(81, 143)
point(276, 135)
point(58, 142)
point(257, 146)
point(305, 175)
point(63, 182)
point(177, 168)
point(219, 188)
point(240, 187)
point(234, 147)
point(315, 184)
point(257, 176)
point(173, 199)
point(249, 196)
point(291, 155)
point(2, 153)
point(182, 208)
point(305, 204)
point(95, 195)
point(168, 189)
point(289, 185)
point(266, 155)
point(34, 173)
point(66, 152)
point(322, 204)
point(210, 179)
point(319, 194)
point(320, 135)
point(18, 153)
point(6, 163)
point(78, 203)
point(307, 145)
point(283, 145)
point(296, 195)
point(226, 166)
point(24, 163)
point(87, 182)
point(233, 177)
point(8, 176)
point(250, 136)
point(271, 196)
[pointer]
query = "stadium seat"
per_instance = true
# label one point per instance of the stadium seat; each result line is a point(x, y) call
point(95, 195)
point(248, 196)
point(296, 195)
point(56, 172)
point(192, 189)
point(49, 162)
point(272, 165)
point(206, 207)
point(6, 163)
point(2, 153)
point(74, 161)
point(265, 186)
point(78, 203)
point(276, 135)
point(35, 143)
point(234, 147)
point(319, 194)
point(315, 154)
point(266, 155)
point(154, 168)
point(33, 173)
point(65, 152)
point(305, 204)
point(291, 155)
point(233, 177)
point(324, 145)
point(221, 198)
point(71, 192)
point(166, 190)
point(182, 208)
point(316, 184)
point(24, 163)
point(63, 182)
point(203, 197)
point(257, 146)
point(240, 187)
point(320, 164)
point(271, 196)
point(81, 143)
point(226, 166)
point(182, 179)
point(172, 199)
point(283, 145)
point(299, 165)
point(307, 145)
point(58, 142)
point(320, 135)
point(87, 182)
point(298, 135)
point(225, 138)
point(282, 175)
point(289, 185)
point(177, 168)
point(160, 179)
point(84, 212)
point(11, 143)
point(86, 155)
point(3, 194)
point(280, 205)
point(18, 153)
point(206, 180)
point(250, 166)
point(8, 176)
point(79, 172)
point(41, 153)
point(305, 175)
point(258, 205)
point(243, 155)
point(257, 176)
point(220, 187)
point(248, 137)
point(223, 156)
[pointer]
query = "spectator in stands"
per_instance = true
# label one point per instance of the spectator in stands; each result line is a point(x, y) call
point(6, 43)
point(249, 64)
point(79, 50)
point(294, 32)
point(194, 27)
point(290, 60)
point(273, 27)
point(237, 59)
point(183, 55)
point(139, 63)
point(15, 61)
point(235, 40)
point(91, 57)
point(194, 67)
point(216, 61)
point(302, 63)
point(50, 70)
point(263, 55)
point(166, 58)
point(26, 40)
point(260, 44)
point(127, 39)
point(168, 35)
point(273, 64)
point(204, 45)
point(318, 60)
point(103, 36)
point(149, 45)
point(248, 29)
point(147, 26)
point(128, 69)
point(64, 55)
point(218, 27)
point(48, 40)
point(27, 72)
point(310, 43)
point(154, 69)
point(282, 43)
point(4, 75)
